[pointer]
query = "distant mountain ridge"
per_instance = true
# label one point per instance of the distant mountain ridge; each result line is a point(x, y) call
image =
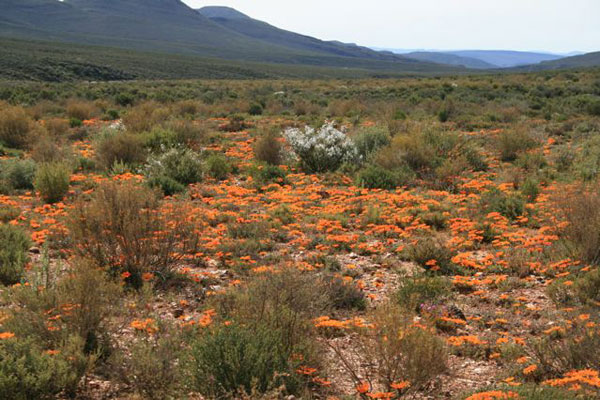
point(480, 59)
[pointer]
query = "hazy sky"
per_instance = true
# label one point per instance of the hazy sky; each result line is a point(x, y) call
point(550, 25)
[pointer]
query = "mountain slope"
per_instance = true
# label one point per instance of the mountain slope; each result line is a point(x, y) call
point(28, 60)
point(252, 28)
point(170, 26)
point(449, 59)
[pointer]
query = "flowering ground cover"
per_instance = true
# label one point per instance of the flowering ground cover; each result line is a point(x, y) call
point(418, 239)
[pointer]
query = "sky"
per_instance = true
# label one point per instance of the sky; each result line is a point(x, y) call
point(558, 26)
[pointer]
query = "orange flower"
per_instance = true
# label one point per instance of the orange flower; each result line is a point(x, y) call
point(6, 335)
point(363, 387)
point(147, 276)
point(531, 369)
point(400, 385)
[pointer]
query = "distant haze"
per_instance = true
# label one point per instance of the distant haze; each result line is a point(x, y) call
point(558, 26)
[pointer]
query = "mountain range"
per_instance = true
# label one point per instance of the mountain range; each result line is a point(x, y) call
point(213, 33)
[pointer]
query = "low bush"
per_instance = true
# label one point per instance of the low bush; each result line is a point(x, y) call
point(30, 372)
point(57, 127)
point(576, 348)
point(143, 117)
point(14, 253)
point(401, 351)
point(512, 143)
point(268, 148)
point(185, 131)
point(123, 226)
point(509, 205)
point(18, 174)
point(376, 177)
point(52, 181)
point(180, 165)
point(218, 166)
point(15, 127)
point(434, 256)
point(369, 140)
point(581, 234)
point(116, 146)
point(255, 109)
point(80, 109)
point(237, 360)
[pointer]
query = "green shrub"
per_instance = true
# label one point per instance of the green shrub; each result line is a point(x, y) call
point(167, 185)
point(255, 109)
point(15, 127)
point(52, 181)
point(218, 166)
point(475, 158)
point(376, 177)
point(369, 140)
point(509, 205)
point(14, 251)
point(268, 148)
point(422, 152)
point(587, 288)
point(180, 165)
point(530, 189)
point(19, 174)
point(75, 122)
point(443, 115)
point(237, 360)
point(30, 373)
point(594, 108)
point(266, 174)
point(112, 115)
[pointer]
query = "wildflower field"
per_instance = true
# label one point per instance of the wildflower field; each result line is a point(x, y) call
point(421, 238)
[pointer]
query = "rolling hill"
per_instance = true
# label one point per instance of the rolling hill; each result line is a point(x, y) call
point(581, 61)
point(450, 59)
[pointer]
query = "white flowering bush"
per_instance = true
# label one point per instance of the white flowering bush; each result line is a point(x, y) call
point(325, 149)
